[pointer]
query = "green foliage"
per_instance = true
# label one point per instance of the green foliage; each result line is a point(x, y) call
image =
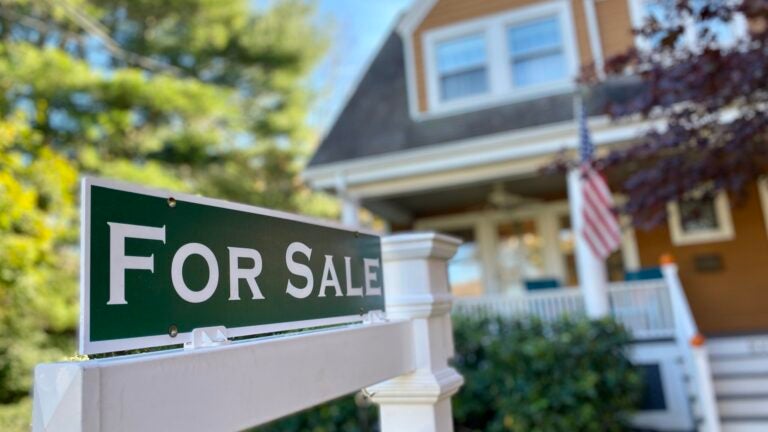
point(526, 375)
point(201, 96)
point(37, 274)
point(520, 375)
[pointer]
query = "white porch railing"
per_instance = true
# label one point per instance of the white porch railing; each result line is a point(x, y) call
point(642, 306)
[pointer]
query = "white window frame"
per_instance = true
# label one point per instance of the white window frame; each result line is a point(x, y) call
point(469, 32)
point(762, 188)
point(723, 232)
point(498, 64)
point(637, 17)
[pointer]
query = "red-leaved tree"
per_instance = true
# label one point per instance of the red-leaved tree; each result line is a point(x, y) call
point(705, 98)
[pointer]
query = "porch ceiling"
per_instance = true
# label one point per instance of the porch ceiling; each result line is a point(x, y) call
point(403, 209)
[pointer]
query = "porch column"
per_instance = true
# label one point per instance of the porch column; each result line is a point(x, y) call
point(590, 269)
point(415, 274)
point(487, 239)
point(350, 204)
point(350, 210)
point(548, 229)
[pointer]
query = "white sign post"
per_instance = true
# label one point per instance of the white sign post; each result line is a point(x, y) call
point(249, 383)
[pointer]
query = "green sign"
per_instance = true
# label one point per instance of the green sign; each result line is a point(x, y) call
point(157, 265)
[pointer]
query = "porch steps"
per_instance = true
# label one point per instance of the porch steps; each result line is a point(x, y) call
point(740, 374)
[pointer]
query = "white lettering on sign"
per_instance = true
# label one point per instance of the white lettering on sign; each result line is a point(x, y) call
point(351, 291)
point(371, 276)
point(299, 270)
point(119, 262)
point(177, 276)
point(249, 274)
point(329, 278)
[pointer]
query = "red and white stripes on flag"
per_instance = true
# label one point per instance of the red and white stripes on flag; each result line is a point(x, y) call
point(600, 228)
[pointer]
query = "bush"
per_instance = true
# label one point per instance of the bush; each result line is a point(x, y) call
point(526, 375)
point(353, 413)
point(521, 375)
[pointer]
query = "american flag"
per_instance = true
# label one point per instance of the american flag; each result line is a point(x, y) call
point(600, 227)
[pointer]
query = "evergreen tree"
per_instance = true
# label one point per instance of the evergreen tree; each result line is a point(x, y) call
point(202, 96)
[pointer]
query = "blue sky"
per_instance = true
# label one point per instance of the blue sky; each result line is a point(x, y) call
point(359, 26)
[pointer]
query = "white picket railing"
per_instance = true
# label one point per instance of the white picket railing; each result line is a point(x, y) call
point(547, 305)
point(642, 306)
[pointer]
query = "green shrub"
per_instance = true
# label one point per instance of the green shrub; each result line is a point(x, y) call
point(520, 375)
point(353, 413)
point(16, 417)
point(526, 375)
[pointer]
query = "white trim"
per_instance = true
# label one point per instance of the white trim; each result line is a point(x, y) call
point(724, 232)
point(411, 85)
point(762, 188)
point(87, 346)
point(414, 16)
point(521, 146)
point(676, 415)
point(500, 88)
point(595, 41)
point(409, 21)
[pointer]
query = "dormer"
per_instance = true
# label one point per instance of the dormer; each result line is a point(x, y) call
point(469, 55)
point(514, 55)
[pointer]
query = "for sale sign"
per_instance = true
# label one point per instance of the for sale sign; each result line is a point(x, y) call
point(157, 265)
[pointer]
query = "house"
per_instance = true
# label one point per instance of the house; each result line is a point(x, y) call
point(448, 129)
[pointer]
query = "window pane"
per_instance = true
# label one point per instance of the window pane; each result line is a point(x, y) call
point(698, 215)
point(538, 70)
point(461, 54)
point(537, 52)
point(461, 67)
point(534, 37)
point(464, 269)
point(463, 84)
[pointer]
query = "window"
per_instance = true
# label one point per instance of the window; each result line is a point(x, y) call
point(536, 51)
point(700, 220)
point(461, 65)
point(524, 53)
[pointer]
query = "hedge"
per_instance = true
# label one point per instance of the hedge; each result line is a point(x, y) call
point(521, 375)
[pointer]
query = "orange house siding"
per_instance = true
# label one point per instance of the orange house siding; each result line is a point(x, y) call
point(612, 15)
point(615, 24)
point(734, 299)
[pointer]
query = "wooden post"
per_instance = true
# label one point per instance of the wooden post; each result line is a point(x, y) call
point(415, 275)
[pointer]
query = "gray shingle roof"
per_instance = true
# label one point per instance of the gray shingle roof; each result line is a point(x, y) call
point(376, 119)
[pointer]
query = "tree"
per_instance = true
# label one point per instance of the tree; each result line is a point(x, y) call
point(707, 99)
point(200, 96)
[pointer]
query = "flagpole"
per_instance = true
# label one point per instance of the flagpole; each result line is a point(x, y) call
point(590, 269)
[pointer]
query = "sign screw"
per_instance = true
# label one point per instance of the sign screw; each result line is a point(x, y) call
point(171, 202)
point(173, 331)
point(357, 234)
